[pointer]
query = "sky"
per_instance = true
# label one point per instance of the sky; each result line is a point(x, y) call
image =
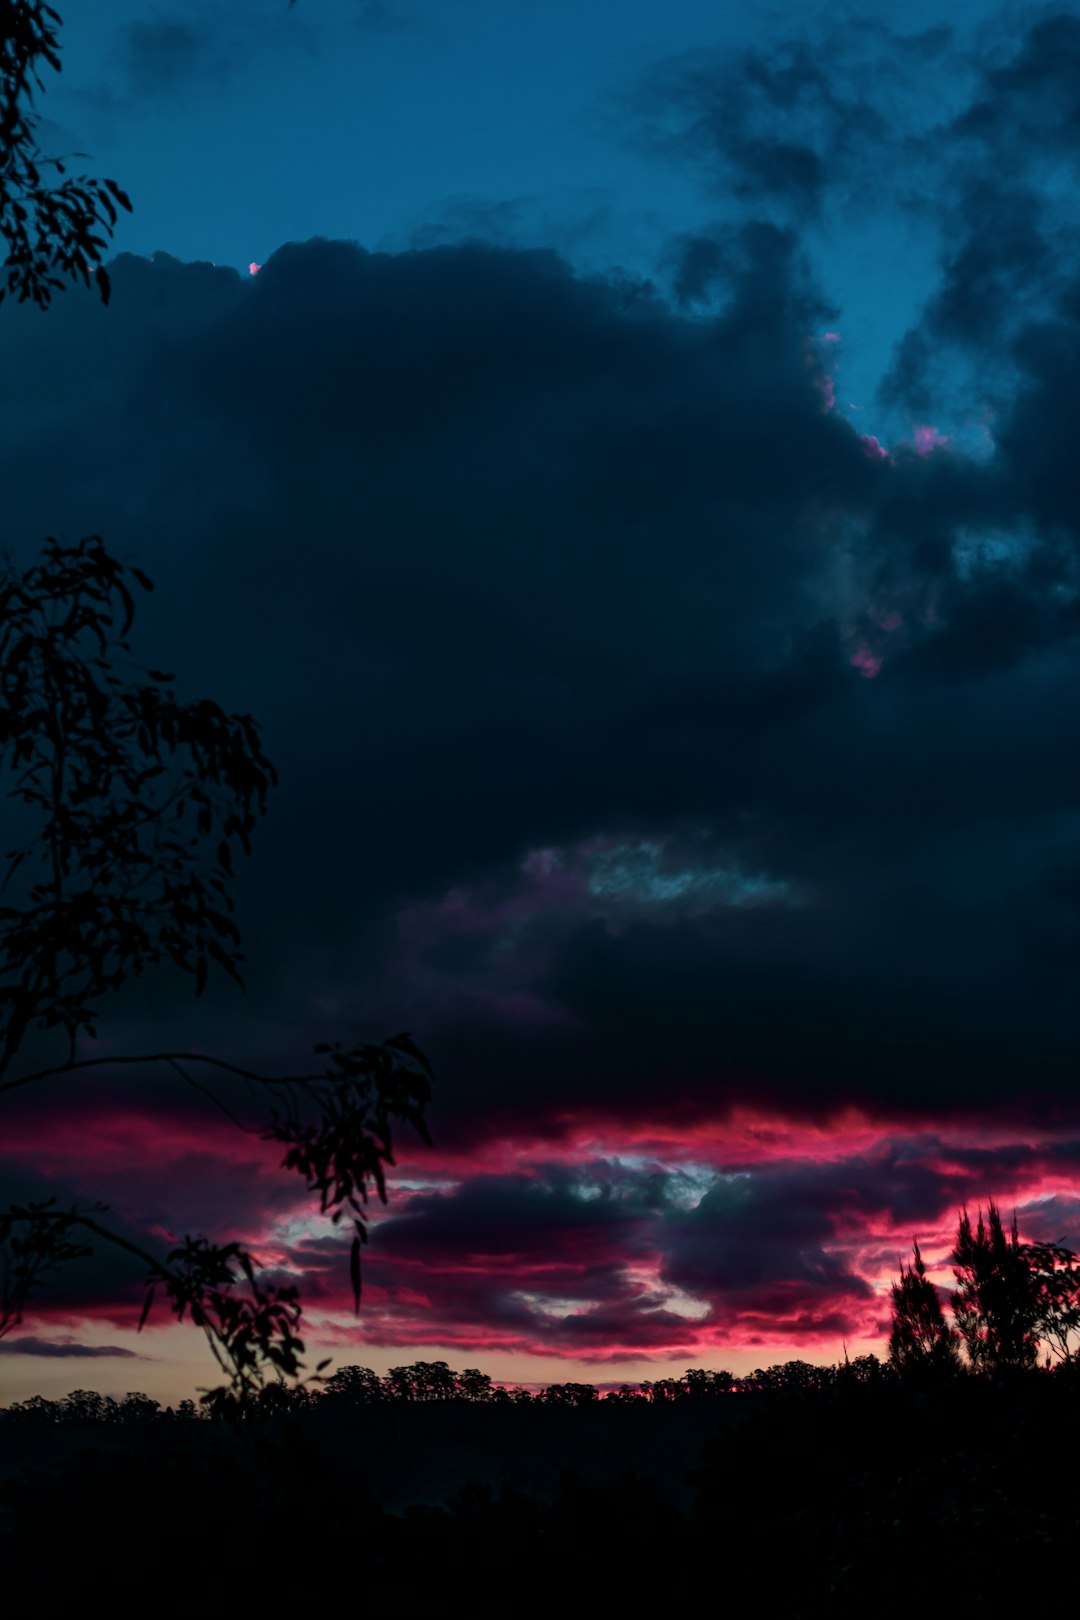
point(623, 457)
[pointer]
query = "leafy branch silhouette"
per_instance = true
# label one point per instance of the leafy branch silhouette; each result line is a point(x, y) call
point(56, 233)
point(130, 786)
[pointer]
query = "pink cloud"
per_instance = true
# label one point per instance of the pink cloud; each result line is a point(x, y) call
point(866, 661)
point(928, 439)
point(570, 1246)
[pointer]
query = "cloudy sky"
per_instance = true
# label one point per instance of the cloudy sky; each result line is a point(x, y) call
point(622, 455)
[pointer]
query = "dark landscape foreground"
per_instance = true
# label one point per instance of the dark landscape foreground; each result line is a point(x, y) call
point(874, 1499)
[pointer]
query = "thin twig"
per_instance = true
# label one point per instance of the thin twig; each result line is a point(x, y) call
point(165, 1057)
point(197, 1085)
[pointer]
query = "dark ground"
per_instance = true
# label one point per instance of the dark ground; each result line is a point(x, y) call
point(868, 1503)
point(425, 1453)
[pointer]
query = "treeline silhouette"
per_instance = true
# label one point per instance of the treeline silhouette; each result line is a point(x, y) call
point(423, 1381)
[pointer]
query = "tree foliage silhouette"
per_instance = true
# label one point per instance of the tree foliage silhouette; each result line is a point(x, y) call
point(1011, 1298)
point(996, 1304)
point(920, 1340)
point(1056, 1281)
point(55, 226)
point(130, 788)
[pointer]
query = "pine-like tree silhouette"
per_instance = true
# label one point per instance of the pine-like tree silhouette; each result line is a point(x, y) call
point(997, 1302)
point(920, 1341)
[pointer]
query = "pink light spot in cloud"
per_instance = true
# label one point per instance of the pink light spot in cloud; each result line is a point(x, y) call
point(928, 439)
point(891, 621)
point(874, 448)
point(253, 268)
point(866, 661)
point(827, 389)
point(831, 337)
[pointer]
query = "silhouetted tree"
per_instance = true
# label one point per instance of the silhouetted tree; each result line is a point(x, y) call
point(708, 1383)
point(866, 1370)
point(659, 1390)
point(135, 1407)
point(130, 789)
point(996, 1304)
point(422, 1381)
point(87, 1406)
point(570, 1394)
point(474, 1385)
point(1056, 1277)
point(55, 227)
point(920, 1340)
point(358, 1386)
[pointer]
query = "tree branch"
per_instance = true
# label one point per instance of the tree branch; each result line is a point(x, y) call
point(164, 1057)
point(62, 1217)
point(197, 1085)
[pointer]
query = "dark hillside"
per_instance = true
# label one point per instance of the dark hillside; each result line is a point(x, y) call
point(819, 1500)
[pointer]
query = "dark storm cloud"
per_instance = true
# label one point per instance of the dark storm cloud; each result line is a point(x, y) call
point(577, 220)
point(1002, 169)
point(107, 1282)
point(508, 559)
point(601, 1259)
point(790, 1243)
point(697, 265)
point(790, 125)
point(972, 140)
point(150, 1170)
point(1029, 94)
point(739, 1242)
point(28, 1345)
point(542, 1258)
point(184, 50)
point(160, 57)
point(525, 570)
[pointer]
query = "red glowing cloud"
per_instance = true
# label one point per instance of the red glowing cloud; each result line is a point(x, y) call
point(614, 1242)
